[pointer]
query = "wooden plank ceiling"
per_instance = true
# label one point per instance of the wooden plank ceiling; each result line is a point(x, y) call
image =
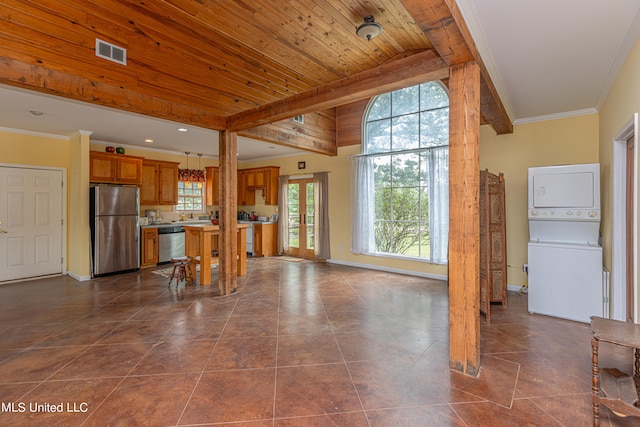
point(232, 63)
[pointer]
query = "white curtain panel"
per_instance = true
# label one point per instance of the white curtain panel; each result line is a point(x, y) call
point(362, 205)
point(283, 214)
point(322, 248)
point(438, 160)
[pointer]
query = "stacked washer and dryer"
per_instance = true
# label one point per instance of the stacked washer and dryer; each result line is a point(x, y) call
point(565, 265)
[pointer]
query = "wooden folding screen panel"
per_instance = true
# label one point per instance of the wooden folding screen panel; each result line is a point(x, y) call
point(493, 251)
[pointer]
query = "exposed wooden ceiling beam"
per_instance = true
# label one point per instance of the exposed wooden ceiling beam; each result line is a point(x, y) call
point(411, 70)
point(270, 134)
point(444, 25)
point(317, 134)
point(33, 77)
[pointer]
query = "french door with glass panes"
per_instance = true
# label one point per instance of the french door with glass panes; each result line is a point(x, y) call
point(301, 210)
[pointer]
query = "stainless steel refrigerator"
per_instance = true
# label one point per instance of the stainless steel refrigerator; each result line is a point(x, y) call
point(115, 229)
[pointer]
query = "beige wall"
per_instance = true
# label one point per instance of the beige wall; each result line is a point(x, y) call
point(572, 140)
point(78, 189)
point(33, 149)
point(28, 148)
point(339, 177)
point(621, 104)
point(562, 141)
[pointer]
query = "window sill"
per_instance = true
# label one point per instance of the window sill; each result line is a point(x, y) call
point(405, 258)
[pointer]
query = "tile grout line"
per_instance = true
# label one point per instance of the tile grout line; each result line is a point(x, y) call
point(346, 365)
point(128, 375)
point(275, 371)
point(204, 367)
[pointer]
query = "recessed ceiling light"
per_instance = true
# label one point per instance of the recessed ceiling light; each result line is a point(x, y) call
point(148, 140)
point(182, 129)
point(36, 113)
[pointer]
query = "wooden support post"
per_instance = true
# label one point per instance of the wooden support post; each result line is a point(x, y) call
point(228, 238)
point(464, 218)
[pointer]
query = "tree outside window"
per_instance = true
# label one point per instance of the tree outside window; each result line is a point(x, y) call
point(407, 133)
point(190, 197)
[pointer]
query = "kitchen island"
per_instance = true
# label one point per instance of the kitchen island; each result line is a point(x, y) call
point(198, 243)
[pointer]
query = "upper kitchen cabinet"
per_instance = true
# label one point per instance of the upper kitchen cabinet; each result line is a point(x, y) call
point(212, 186)
point(265, 179)
point(249, 180)
point(270, 187)
point(114, 168)
point(246, 195)
point(159, 183)
point(254, 178)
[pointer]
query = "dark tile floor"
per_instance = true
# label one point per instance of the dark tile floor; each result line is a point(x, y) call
point(299, 344)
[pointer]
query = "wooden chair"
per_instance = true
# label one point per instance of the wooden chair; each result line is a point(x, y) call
point(612, 387)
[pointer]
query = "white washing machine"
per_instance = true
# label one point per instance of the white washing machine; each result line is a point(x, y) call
point(566, 280)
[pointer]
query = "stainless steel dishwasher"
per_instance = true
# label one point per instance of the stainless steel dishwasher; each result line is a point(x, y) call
point(170, 242)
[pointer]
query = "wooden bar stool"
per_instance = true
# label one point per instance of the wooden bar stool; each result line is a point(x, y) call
point(181, 270)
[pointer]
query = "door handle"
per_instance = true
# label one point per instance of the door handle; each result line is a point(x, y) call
point(3, 231)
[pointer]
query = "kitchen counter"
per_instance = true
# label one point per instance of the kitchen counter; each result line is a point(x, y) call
point(176, 223)
point(200, 222)
point(242, 221)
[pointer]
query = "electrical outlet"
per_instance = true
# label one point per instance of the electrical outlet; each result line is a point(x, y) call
point(525, 268)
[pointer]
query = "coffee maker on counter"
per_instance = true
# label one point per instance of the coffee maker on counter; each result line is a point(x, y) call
point(154, 215)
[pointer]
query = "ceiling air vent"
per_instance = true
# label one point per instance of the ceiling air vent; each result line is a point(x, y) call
point(111, 52)
point(299, 119)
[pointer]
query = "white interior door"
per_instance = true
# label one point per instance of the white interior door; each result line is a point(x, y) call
point(31, 229)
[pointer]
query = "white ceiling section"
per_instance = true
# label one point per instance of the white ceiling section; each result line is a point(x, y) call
point(547, 59)
point(552, 58)
point(65, 117)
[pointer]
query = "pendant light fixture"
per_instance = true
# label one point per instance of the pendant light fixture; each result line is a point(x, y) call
point(199, 157)
point(369, 29)
point(188, 181)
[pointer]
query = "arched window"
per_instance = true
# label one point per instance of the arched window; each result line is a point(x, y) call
point(401, 179)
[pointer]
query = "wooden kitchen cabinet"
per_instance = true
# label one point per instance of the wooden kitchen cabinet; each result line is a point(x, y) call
point(149, 252)
point(249, 178)
point(212, 186)
point(159, 183)
point(246, 196)
point(265, 179)
point(114, 168)
point(254, 178)
point(265, 239)
point(270, 192)
point(168, 181)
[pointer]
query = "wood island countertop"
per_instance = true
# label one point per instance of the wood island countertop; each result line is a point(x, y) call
point(208, 227)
